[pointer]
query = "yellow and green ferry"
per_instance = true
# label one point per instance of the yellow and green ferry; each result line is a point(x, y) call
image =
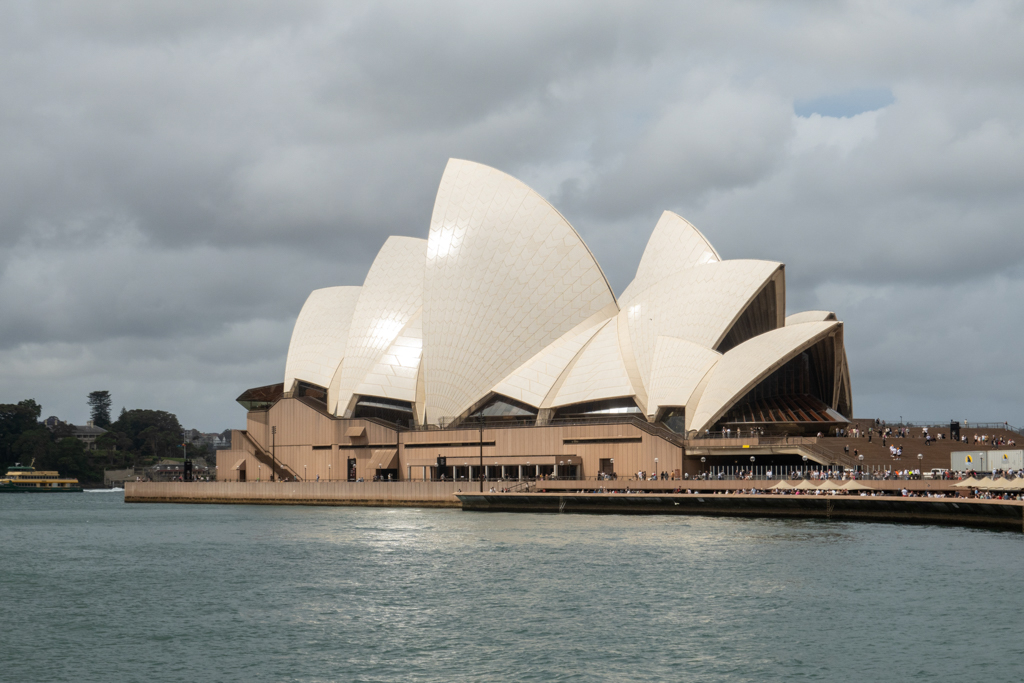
point(25, 479)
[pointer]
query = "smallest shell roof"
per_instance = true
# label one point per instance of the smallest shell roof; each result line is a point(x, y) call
point(320, 336)
point(743, 367)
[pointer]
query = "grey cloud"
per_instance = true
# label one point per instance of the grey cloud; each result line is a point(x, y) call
point(176, 178)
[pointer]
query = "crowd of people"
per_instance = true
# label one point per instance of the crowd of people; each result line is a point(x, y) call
point(978, 494)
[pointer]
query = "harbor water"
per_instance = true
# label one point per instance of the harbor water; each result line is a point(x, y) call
point(97, 590)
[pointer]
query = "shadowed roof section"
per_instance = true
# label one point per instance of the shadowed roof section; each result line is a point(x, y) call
point(697, 304)
point(743, 367)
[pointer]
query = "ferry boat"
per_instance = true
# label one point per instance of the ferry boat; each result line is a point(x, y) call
point(25, 479)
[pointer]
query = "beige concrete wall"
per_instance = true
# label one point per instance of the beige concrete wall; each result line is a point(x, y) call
point(311, 444)
point(434, 494)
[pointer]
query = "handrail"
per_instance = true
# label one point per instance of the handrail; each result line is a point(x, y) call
point(270, 461)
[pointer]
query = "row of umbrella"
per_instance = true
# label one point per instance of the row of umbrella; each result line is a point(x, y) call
point(986, 483)
point(990, 484)
point(827, 485)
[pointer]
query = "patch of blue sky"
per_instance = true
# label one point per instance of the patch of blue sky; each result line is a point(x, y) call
point(843, 105)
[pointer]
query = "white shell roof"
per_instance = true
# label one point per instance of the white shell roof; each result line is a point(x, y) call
point(743, 367)
point(505, 297)
point(809, 317)
point(533, 381)
point(394, 375)
point(698, 304)
point(598, 372)
point(506, 275)
point(320, 336)
point(392, 294)
point(674, 245)
point(677, 369)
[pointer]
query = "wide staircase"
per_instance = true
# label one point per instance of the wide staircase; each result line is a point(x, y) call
point(936, 455)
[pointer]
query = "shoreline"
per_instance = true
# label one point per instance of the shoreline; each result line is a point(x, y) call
point(950, 511)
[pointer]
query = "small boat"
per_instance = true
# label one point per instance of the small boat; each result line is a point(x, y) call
point(26, 479)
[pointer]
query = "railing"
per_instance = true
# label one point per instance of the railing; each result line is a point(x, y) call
point(808, 444)
point(917, 424)
point(275, 466)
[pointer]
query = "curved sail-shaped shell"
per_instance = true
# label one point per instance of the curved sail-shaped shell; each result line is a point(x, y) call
point(320, 336)
point(392, 294)
point(743, 367)
point(533, 381)
point(598, 373)
point(677, 369)
point(506, 275)
point(395, 373)
point(674, 245)
point(698, 304)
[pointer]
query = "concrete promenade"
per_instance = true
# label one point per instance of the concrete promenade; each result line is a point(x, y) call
point(382, 494)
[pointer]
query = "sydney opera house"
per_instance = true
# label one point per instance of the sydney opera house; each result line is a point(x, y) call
point(496, 348)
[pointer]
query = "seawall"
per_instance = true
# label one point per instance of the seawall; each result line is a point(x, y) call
point(382, 494)
point(993, 514)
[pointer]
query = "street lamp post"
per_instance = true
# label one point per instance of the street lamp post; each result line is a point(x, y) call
point(273, 450)
point(920, 465)
point(702, 459)
point(861, 459)
point(751, 467)
point(328, 473)
point(303, 473)
point(655, 468)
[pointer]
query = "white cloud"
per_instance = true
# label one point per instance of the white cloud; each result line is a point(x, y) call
point(841, 133)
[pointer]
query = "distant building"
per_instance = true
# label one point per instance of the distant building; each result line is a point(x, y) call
point(86, 434)
point(215, 441)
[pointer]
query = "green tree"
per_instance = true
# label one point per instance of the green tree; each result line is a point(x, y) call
point(99, 407)
point(150, 432)
point(69, 457)
point(15, 420)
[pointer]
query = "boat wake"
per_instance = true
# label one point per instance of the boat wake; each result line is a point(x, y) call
point(114, 490)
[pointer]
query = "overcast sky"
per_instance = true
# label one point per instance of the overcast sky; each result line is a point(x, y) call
point(176, 177)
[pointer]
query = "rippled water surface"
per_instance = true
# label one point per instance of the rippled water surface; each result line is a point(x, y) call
point(96, 590)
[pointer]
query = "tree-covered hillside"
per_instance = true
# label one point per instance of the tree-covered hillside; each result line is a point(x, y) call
point(137, 438)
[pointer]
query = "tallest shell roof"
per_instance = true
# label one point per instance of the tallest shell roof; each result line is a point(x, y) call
point(506, 276)
point(503, 298)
